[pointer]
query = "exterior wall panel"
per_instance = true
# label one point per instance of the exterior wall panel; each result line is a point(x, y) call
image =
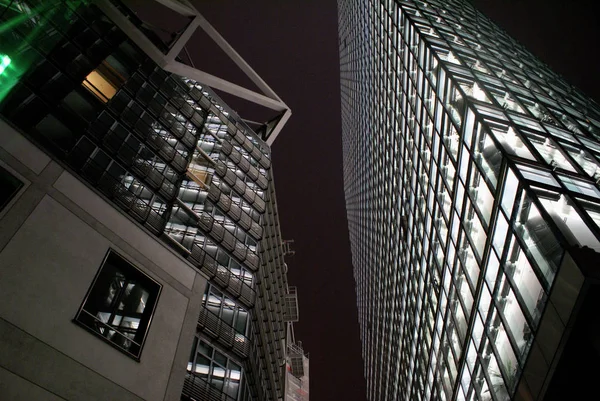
point(38, 268)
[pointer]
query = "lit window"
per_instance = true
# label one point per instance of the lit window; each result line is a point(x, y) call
point(209, 368)
point(104, 81)
point(227, 310)
point(200, 172)
point(537, 175)
point(452, 59)
point(478, 93)
point(119, 305)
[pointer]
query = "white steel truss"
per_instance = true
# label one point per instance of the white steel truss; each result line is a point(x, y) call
point(267, 98)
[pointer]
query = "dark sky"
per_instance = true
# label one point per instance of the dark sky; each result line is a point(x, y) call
point(292, 44)
point(565, 34)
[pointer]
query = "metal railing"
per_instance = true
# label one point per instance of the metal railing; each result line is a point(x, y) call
point(196, 388)
point(213, 326)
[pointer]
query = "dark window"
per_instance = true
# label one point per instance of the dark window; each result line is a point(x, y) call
point(120, 304)
point(9, 186)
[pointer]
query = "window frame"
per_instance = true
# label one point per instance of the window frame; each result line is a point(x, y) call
point(131, 272)
point(198, 351)
point(4, 168)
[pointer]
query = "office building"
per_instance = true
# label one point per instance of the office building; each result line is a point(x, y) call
point(471, 179)
point(141, 256)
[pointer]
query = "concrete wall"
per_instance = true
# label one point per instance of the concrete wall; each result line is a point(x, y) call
point(53, 239)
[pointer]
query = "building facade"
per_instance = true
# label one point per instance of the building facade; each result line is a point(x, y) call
point(141, 256)
point(297, 376)
point(471, 179)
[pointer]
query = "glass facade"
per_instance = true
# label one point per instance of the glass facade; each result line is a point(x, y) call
point(470, 170)
point(167, 152)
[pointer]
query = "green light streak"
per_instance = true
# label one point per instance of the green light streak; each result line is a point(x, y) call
point(10, 5)
point(19, 19)
point(4, 62)
point(29, 21)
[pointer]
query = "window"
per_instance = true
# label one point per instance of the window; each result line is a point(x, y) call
point(9, 186)
point(119, 305)
point(210, 367)
point(104, 81)
point(100, 86)
point(227, 310)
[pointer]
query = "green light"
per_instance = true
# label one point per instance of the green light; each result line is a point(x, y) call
point(4, 62)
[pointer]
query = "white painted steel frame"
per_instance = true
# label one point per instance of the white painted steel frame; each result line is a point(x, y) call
point(268, 98)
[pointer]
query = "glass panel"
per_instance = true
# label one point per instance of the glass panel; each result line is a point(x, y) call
point(487, 157)
point(484, 302)
point(464, 163)
point(509, 192)
point(205, 349)
point(233, 383)
point(464, 291)
point(240, 324)
point(579, 186)
point(537, 175)
point(559, 133)
point(105, 81)
point(220, 358)
point(512, 142)
point(227, 315)
point(202, 365)
point(496, 381)
point(540, 242)
point(482, 195)
point(552, 153)
point(481, 385)
point(477, 233)
point(217, 369)
point(526, 282)
point(492, 269)
point(515, 319)
point(477, 335)
point(506, 354)
point(460, 193)
point(595, 215)
point(586, 161)
point(570, 222)
point(500, 233)
point(469, 262)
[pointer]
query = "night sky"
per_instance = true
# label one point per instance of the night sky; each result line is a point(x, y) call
point(293, 47)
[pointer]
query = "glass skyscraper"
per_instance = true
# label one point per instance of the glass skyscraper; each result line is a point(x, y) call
point(471, 179)
point(141, 253)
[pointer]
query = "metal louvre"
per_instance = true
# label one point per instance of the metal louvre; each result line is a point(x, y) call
point(195, 388)
point(224, 334)
point(240, 251)
point(226, 147)
point(235, 212)
point(224, 278)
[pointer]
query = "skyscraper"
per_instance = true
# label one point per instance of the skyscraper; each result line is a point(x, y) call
point(471, 179)
point(140, 250)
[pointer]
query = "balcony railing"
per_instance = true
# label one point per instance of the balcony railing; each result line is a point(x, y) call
point(214, 327)
point(196, 388)
point(290, 313)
